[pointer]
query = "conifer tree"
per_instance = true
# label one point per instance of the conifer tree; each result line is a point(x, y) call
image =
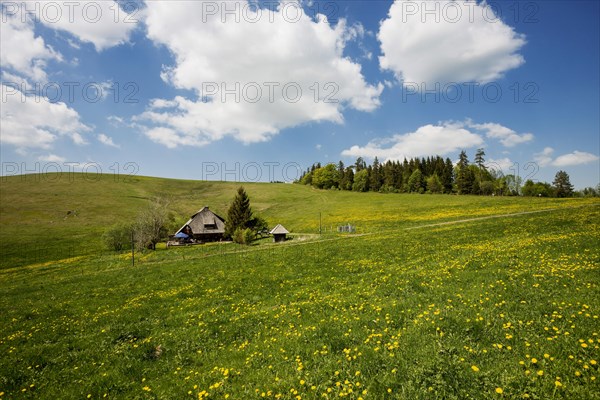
point(479, 160)
point(375, 176)
point(448, 175)
point(562, 184)
point(239, 214)
point(464, 177)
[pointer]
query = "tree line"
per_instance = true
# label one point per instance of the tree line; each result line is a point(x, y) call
point(434, 175)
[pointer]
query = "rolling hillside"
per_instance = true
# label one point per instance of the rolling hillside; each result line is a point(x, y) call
point(443, 297)
point(50, 217)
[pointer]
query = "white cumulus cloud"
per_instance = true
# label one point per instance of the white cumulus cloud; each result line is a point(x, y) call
point(546, 158)
point(500, 165)
point(506, 136)
point(107, 140)
point(447, 41)
point(34, 122)
point(272, 69)
point(574, 158)
point(103, 23)
point(52, 158)
point(441, 139)
point(21, 50)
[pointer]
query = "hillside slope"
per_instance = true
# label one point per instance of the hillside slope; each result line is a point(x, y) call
point(501, 307)
point(56, 216)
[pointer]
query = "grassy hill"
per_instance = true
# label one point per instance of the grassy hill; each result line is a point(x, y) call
point(491, 306)
point(55, 216)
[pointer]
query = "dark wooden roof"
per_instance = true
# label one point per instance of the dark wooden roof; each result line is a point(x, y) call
point(205, 221)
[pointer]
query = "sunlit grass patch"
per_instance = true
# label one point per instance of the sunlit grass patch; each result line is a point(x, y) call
point(494, 308)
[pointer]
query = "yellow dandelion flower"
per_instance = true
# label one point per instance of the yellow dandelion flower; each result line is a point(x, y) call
point(474, 368)
point(499, 390)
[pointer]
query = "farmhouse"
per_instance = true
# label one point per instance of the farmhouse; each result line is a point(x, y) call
point(205, 226)
point(279, 233)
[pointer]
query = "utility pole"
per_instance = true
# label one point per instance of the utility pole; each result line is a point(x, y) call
point(132, 251)
point(319, 223)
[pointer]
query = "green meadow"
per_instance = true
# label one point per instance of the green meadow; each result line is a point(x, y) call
point(434, 297)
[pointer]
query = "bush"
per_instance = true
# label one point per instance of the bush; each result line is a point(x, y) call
point(487, 188)
point(118, 237)
point(248, 236)
point(243, 236)
point(238, 236)
point(152, 224)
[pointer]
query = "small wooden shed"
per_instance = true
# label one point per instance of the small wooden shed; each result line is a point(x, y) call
point(279, 233)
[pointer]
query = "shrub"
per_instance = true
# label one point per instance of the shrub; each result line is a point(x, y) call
point(486, 187)
point(248, 236)
point(118, 237)
point(243, 236)
point(152, 224)
point(238, 236)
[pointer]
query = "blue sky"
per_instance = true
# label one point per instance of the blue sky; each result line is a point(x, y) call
point(259, 90)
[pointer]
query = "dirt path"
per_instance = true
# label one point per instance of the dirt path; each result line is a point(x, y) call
point(460, 221)
point(313, 238)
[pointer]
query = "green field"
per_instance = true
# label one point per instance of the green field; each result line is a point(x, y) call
point(495, 306)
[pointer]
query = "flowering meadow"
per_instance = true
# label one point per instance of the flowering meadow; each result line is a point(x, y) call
point(495, 308)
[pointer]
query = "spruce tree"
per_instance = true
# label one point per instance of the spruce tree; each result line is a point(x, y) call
point(480, 162)
point(375, 176)
point(562, 184)
point(239, 214)
point(464, 180)
point(448, 175)
point(360, 164)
